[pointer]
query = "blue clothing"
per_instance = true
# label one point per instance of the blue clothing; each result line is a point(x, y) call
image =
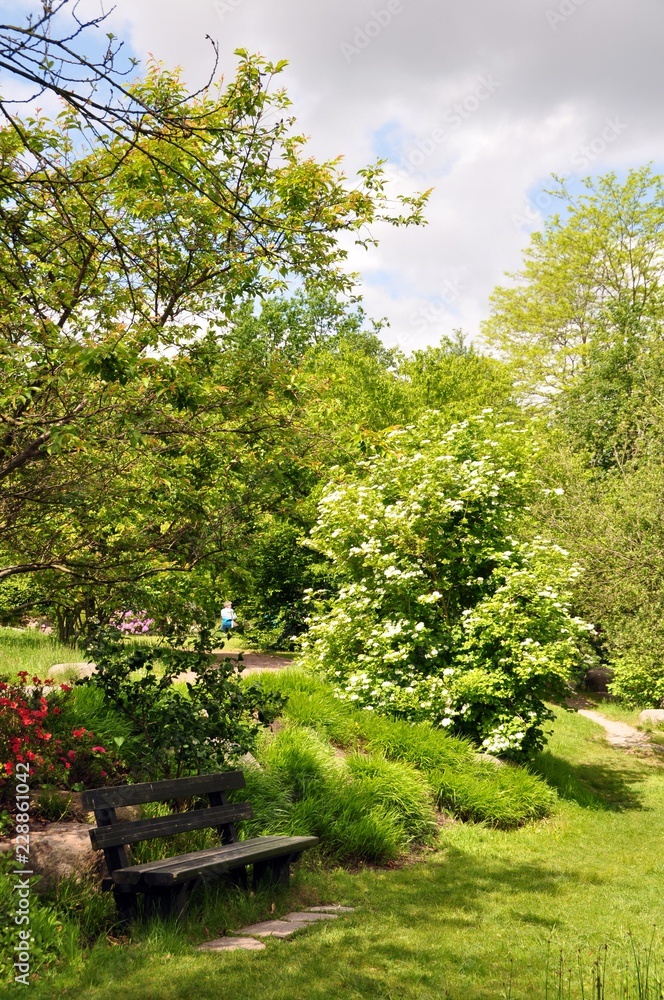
point(228, 619)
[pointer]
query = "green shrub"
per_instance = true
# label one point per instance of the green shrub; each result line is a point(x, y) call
point(201, 726)
point(461, 781)
point(443, 613)
point(362, 808)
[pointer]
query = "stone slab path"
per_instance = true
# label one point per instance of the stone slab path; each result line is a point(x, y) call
point(245, 939)
point(619, 734)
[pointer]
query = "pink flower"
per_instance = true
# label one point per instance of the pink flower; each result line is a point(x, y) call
point(79, 732)
point(99, 749)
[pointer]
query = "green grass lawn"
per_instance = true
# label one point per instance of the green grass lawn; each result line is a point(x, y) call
point(473, 918)
point(29, 649)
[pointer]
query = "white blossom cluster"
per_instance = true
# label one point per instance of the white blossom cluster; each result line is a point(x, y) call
point(445, 613)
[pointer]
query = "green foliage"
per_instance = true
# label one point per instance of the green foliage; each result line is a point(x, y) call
point(443, 612)
point(205, 727)
point(582, 326)
point(361, 808)
point(462, 782)
point(50, 935)
point(457, 380)
point(150, 442)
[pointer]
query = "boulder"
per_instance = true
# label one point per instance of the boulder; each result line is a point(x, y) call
point(58, 850)
point(83, 669)
point(653, 715)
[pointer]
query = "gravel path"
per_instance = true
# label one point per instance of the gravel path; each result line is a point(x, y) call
point(619, 734)
point(254, 663)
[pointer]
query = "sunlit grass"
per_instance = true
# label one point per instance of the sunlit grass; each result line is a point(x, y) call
point(31, 650)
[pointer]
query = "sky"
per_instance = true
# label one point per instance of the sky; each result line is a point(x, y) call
point(480, 99)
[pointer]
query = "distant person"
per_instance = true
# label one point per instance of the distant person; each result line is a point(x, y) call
point(228, 617)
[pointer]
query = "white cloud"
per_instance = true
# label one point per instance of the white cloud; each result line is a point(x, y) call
point(560, 70)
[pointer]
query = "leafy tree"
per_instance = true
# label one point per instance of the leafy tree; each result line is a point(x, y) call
point(582, 326)
point(444, 611)
point(583, 329)
point(457, 380)
point(130, 231)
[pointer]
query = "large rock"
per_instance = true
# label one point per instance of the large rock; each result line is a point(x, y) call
point(83, 669)
point(58, 850)
point(653, 715)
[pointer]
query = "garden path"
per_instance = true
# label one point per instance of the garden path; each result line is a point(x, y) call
point(619, 734)
point(253, 663)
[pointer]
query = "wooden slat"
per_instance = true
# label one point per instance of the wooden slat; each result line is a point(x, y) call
point(213, 861)
point(160, 791)
point(225, 850)
point(165, 826)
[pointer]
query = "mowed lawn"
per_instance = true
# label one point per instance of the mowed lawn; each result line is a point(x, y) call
point(473, 919)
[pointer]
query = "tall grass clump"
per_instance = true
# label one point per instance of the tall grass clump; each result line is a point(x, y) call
point(362, 807)
point(463, 782)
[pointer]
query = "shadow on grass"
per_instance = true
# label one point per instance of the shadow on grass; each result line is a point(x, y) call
point(593, 786)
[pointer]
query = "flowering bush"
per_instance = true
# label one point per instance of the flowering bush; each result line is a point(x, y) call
point(132, 622)
point(29, 733)
point(443, 613)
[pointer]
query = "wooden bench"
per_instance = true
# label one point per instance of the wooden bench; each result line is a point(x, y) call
point(165, 885)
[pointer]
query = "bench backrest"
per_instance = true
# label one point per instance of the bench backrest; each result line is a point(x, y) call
point(112, 836)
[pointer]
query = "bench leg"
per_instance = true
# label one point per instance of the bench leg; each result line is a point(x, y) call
point(238, 877)
point(275, 872)
point(168, 902)
point(126, 905)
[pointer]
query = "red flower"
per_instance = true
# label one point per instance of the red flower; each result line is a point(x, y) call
point(36, 680)
point(56, 711)
point(48, 681)
point(79, 732)
point(99, 749)
point(65, 687)
point(72, 755)
point(9, 767)
point(30, 755)
point(102, 774)
point(21, 673)
point(15, 744)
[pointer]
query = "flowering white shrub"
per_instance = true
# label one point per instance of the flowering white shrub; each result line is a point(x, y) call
point(443, 613)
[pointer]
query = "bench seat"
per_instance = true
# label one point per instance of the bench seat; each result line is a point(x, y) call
point(214, 861)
